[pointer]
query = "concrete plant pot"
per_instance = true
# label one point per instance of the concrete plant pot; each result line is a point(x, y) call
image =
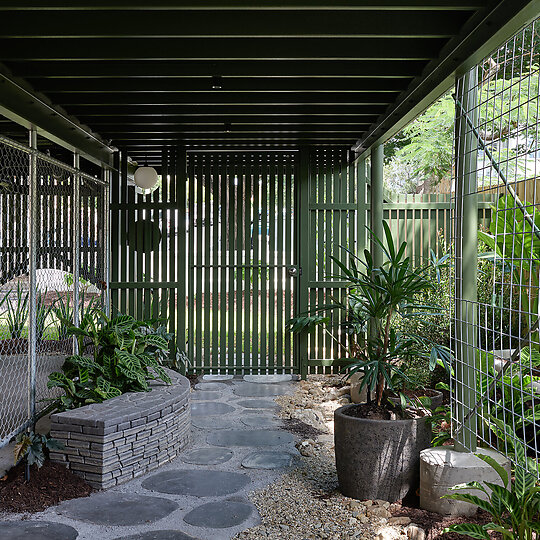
point(378, 459)
point(435, 395)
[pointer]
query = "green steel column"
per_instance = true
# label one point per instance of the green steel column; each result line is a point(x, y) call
point(376, 201)
point(376, 211)
point(361, 207)
point(466, 260)
point(303, 246)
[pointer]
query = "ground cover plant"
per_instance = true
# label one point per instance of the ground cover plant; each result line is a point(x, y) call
point(116, 355)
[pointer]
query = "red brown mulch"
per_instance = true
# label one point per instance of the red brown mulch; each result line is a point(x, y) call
point(47, 486)
point(434, 524)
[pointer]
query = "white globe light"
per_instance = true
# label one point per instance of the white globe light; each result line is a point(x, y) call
point(145, 177)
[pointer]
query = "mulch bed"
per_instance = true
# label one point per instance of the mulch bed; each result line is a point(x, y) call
point(47, 486)
point(434, 524)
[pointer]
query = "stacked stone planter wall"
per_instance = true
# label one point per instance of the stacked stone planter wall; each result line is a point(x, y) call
point(109, 443)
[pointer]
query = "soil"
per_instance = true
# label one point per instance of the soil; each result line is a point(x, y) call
point(293, 425)
point(370, 411)
point(47, 486)
point(434, 524)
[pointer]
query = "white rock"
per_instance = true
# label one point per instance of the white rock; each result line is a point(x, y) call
point(388, 533)
point(414, 532)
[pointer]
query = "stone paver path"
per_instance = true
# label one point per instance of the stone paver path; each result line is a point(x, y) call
point(202, 495)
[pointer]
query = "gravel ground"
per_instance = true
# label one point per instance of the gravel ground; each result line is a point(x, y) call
point(305, 503)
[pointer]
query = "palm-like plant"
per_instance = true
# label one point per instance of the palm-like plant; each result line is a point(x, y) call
point(375, 297)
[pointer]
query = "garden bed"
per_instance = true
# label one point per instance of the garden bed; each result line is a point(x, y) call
point(124, 437)
point(47, 486)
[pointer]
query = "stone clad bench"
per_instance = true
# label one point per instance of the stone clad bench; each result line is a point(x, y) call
point(112, 442)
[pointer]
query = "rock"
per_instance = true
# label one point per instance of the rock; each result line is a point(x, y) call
point(380, 502)
point(388, 533)
point(378, 511)
point(399, 520)
point(311, 417)
point(356, 395)
point(414, 532)
point(306, 448)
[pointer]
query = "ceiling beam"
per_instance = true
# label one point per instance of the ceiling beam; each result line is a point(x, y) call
point(89, 112)
point(199, 85)
point(246, 99)
point(380, 69)
point(143, 122)
point(19, 104)
point(221, 48)
point(211, 5)
point(93, 24)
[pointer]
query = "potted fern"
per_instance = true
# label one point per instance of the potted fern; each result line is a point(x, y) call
point(377, 443)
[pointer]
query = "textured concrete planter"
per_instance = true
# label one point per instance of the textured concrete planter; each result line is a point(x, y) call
point(378, 459)
point(112, 442)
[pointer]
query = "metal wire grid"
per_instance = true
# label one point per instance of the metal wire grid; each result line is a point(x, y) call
point(496, 327)
point(58, 282)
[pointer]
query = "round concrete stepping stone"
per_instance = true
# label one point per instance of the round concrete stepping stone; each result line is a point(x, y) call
point(207, 456)
point(159, 535)
point(219, 515)
point(260, 390)
point(196, 483)
point(258, 404)
point(259, 421)
point(118, 509)
point(210, 408)
point(249, 437)
point(203, 395)
point(213, 378)
point(36, 530)
point(267, 460)
point(264, 379)
point(209, 386)
point(212, 422)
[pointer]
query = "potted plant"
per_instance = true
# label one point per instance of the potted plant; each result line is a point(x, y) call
point(377, 443)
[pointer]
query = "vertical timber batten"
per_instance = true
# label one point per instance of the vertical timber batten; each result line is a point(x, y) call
point(302, 218)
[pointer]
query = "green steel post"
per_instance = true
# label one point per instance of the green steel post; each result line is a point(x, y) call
point(466, 260)
point(376, 201)
point(376, 210)
point(303, 247)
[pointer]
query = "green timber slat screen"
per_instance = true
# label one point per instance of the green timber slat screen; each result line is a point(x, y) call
point(338, 213)
point(212, 250)
point(240, 248)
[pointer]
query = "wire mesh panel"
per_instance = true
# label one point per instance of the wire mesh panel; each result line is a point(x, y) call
point(14, 367)
point(496, 386)
point(40, 286)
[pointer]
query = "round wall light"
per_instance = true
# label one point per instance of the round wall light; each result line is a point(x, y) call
point(145, 177)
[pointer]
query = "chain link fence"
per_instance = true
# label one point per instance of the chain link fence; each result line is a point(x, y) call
point(53, 245)
point(496, 382)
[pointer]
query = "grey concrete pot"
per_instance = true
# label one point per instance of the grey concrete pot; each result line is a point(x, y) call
point(378, 459)
point(436, 399)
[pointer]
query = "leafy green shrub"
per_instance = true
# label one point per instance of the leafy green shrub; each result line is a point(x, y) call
point(116, 355)
point(514, 506)
point(33, 448)
point(17, 313)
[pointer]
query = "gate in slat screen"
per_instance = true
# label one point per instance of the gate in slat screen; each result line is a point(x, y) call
point(241, 268)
